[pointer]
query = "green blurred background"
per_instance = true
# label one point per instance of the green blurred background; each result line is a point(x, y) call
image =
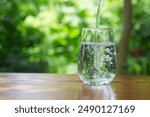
point(44, 35)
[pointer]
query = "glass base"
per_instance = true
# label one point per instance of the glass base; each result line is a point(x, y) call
point(96, 82)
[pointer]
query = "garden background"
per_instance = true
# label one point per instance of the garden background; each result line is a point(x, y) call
point(44, 35)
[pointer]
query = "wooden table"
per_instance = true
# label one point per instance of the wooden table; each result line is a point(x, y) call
point(53, 86)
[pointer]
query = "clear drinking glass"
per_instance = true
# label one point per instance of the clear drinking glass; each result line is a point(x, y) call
point(97, 56)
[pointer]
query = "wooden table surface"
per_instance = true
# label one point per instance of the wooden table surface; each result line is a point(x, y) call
point(69, 87)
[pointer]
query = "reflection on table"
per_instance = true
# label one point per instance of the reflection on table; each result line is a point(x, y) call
point(104, 92)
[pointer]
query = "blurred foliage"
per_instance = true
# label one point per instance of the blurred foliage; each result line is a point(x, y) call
point(139, 56)
point(19, 42)
point(44, 35)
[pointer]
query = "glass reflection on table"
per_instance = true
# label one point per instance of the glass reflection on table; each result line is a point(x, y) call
point(104, 92)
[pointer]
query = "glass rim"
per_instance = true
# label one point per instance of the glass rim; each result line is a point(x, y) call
point(97, 28)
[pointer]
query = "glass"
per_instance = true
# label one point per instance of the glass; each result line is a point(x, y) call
point(97, 56)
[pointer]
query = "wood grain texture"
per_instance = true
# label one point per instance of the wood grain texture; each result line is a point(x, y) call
point(23, 86)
